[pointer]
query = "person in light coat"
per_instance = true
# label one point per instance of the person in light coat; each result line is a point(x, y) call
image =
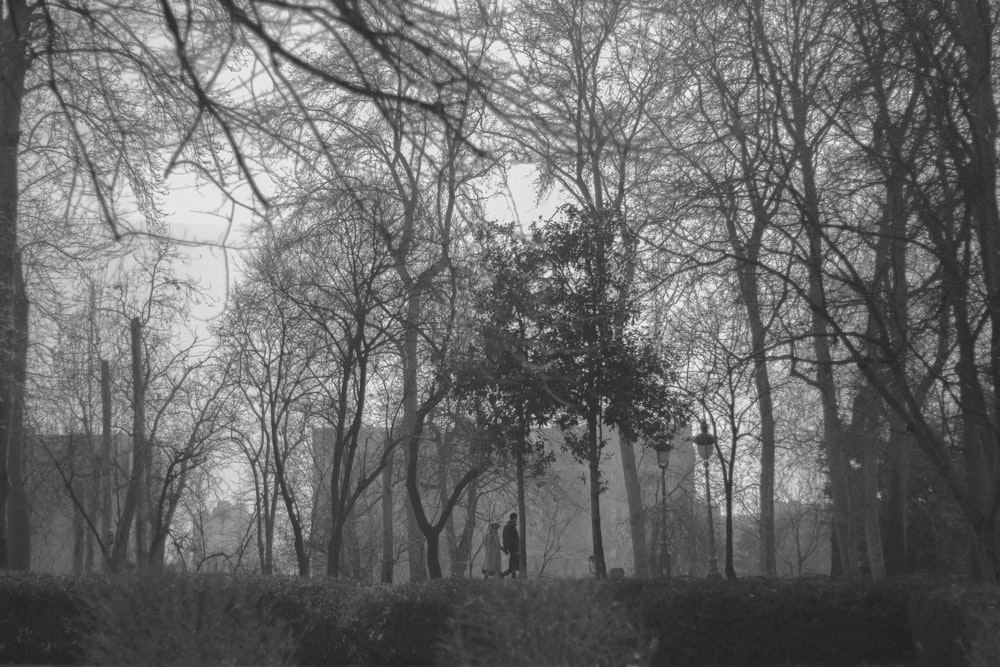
point(493, 564)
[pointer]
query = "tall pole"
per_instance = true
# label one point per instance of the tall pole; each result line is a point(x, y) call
point(664, 546)
point(713, 562)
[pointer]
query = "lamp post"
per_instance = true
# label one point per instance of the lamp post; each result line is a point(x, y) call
point(706, 442)
point(663, 460)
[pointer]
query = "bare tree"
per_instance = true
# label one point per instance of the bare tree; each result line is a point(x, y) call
point(266, 337)
point(154, 300)
point(87, 105)
point(333, 265)
point(728, 143)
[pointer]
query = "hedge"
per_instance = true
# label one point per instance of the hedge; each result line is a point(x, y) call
point(178, 620)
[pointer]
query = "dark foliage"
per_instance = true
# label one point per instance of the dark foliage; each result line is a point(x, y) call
point(610, 368)
point(338, 623)
point(956, 625)
point(503, 376)
point(34, 610)
point(45, 620)
point(768, 622)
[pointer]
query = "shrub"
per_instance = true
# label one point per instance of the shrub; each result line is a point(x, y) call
point(403, 625)
point(956, 625)
point(337, 623)
point(205, 620)
point(316, 612)
point(168, 619)
point(769, 622)
point(34, 610)
point(545, 623)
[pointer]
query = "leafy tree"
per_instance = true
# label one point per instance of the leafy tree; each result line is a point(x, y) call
point(600, 368)
point(592, 80)
point(504, 373)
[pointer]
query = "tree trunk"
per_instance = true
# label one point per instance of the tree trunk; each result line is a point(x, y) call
point(840, 493)
point(73, 457)
point(140, 467)
point(13, 67)
point(334, 548)
point(793, 109)
point(730, 566)
point(873, 531)
point(897, 498)
point(865, 418)
point(636, 516)
point(986, 551)
point(414, 415)
point(119, 555)
point(271, 512)
point(93, 502)
point(294, 519)
point(974, 22)
point(18, 511)
point(979, 453)
point(288, 496)
point(339, 513)
point(443, 457)
point(434, 555)
point(166, 509)
point(461, 541)
point(353, 548)
point(157, 559)
point(833, 431)
point(594, 462)
point(747, 255)
point(765, 404)
point(415, 554)
point(388, 556)
point(431, 533)
point(522, 509)
point(469, 531)
point(104, 469)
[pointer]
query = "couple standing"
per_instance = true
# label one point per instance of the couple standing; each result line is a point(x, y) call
point(511, 546)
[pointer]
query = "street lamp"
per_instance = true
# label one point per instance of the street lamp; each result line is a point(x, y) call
point(706, 443)
point(663, 448)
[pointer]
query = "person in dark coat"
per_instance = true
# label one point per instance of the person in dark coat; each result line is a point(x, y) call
point(511, 547)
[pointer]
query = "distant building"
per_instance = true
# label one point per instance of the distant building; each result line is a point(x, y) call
point(228, 540)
